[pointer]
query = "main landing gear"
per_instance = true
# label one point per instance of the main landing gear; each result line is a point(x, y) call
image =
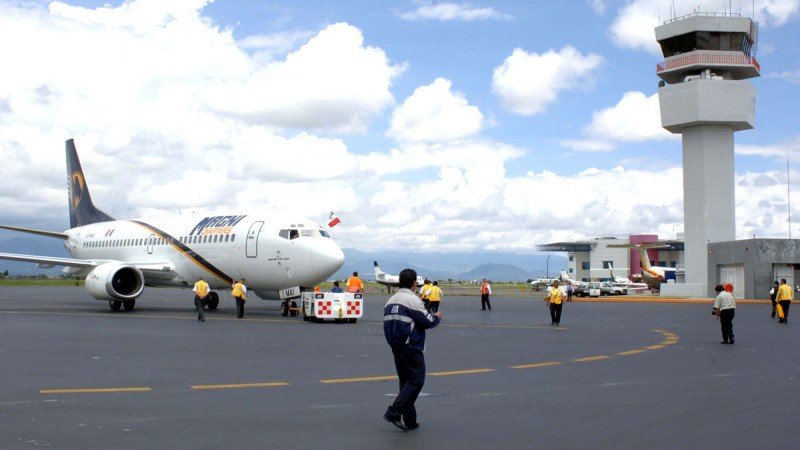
point(117, 305)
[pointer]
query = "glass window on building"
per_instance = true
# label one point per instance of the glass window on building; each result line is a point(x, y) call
point(585, 265)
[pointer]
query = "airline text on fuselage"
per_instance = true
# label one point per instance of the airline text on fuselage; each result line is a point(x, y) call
point(216, 225)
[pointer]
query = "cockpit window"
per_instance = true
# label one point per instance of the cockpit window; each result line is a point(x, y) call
point(309, 233)
point(294, 234)
point(324, 233)
point(284, 234)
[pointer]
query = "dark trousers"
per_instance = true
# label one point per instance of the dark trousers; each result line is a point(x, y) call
point(199, 303)
point(726, 322)
point(485, 302)
point(433, 307)
point(785, 305)
point(774, 305)
point(555, 313)
point(410, 365)
point(239, 307)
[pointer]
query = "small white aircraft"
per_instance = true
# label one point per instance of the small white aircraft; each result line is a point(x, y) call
point(623, 282)
point(278, 255)
point(652, 276)
point(542, 282)
point(568, 279)
point(391, 281)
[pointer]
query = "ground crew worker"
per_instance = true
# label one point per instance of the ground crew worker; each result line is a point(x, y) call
point(201, 291)
point(725, 309)
point(555, 301)
point(404, 322)
point(336, 289)
point(423, 292)
point(434, 297)
point(773, 294)
point(354, 283)
point(486, 291)
point(784, 298)
point(240, 294)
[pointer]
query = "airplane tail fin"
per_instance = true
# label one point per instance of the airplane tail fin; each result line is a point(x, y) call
point(565, 276)
point(81, 209)
point(378, 270)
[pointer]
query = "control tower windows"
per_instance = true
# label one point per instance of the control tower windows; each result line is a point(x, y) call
point(706, 40)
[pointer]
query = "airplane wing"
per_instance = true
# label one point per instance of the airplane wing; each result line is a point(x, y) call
point(150, 270)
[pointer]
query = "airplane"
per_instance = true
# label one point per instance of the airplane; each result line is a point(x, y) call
point(623, 283)
point(391, 281)
point(542, 282)
point(278, 255)
point(652, 276)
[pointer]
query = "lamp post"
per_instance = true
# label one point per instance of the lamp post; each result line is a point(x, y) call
point(548, 266)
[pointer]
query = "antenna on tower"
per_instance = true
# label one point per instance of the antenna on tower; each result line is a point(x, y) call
point(788, 194)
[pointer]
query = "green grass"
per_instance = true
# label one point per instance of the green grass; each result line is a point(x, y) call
point(39, 282)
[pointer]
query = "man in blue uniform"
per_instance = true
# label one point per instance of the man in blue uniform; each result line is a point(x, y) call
point(405, 320)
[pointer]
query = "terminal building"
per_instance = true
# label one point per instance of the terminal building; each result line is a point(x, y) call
point(594, 260)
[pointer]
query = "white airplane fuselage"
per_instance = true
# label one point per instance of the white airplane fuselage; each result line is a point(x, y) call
point(272, 253)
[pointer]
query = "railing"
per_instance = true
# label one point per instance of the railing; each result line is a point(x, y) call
point(705, 58)
point(704, 14)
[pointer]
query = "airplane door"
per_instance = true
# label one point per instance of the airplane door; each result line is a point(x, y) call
point(252, 239)
point(150, 240)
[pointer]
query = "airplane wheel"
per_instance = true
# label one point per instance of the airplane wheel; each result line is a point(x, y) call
point(213, 301)
point(293, 310)
point(115, 305)
point(320, 320)
point(284, 308)
point(128, 305)
point(352, 320)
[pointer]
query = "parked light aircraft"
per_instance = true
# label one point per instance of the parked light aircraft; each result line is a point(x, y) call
point(652, 276)
point(542, 282)
point(277, 254)
point(391, 281)
point(622, 281)
point(568, 279)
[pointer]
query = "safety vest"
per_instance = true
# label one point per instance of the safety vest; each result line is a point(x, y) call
point(485, 288)
point(434, 293)
point(784, 293)
point(556, 295)
point(238, 291)
point(201, 287)
point(354, 284)
point(424, 291)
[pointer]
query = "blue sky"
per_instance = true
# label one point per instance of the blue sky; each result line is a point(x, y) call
point(500, 125)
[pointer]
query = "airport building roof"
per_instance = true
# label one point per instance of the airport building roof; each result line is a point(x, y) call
point(580, 246)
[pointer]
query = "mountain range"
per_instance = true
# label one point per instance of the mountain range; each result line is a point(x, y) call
point(466, 266)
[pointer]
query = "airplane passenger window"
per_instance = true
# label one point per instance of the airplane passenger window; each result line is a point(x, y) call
point(215, 238)
point(233, 237)
point(227, 237)
point(205, 239)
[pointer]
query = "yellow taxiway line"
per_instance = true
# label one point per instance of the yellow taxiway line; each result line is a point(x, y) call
point(207, 387)
point(95, 390)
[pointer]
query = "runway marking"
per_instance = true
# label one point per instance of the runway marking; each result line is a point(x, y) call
point(94, 390)
point(535, 365)
point(459, 372)
point(655, 347)
point(592, 358)
point(359, 380)
point(205, 387)
point(631, 352)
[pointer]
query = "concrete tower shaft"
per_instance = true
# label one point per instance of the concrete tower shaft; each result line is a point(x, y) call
point(703, 95)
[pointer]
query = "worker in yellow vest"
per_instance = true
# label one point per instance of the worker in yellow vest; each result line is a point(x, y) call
point(784, 299)
point(555, 301)
point(240, 294)
point(201, 291)
point(434, 297)
point(424, 291)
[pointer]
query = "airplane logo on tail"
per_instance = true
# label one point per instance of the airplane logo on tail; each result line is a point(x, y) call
point(76, 186)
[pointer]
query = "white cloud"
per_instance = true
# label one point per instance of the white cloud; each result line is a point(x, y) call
point(435, 114)
point(789, 147)
point(452, 11)
point(598, 6)
point(635, 23)
point(333, 81)
point(527, 83)
point(790, 76)
point(268, 47)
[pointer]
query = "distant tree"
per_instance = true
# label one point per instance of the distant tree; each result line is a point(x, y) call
point(5, 274)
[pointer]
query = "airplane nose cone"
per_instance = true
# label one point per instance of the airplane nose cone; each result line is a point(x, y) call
point(328, 259)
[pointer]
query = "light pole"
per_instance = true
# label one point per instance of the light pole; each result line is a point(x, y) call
point(548, 266)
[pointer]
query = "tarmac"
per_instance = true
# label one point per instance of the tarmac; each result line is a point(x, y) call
point(633, 374)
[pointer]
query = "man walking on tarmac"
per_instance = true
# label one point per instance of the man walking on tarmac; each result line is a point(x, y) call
point(486, 291)
point(404, 323)
point(240, 294)
point(201, 290)
point(784, 299)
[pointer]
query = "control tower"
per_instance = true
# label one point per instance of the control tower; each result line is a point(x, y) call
point(705, 97)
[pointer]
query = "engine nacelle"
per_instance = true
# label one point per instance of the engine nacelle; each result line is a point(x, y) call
point(115, 281)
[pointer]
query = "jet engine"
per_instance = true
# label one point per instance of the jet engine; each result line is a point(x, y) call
point(115, 281)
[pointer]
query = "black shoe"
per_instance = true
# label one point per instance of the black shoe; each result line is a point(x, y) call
point(199, 318)
point(395, 421)
point(732, 341)
point(724, 342)
point(202, 319)
point(412, 426)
